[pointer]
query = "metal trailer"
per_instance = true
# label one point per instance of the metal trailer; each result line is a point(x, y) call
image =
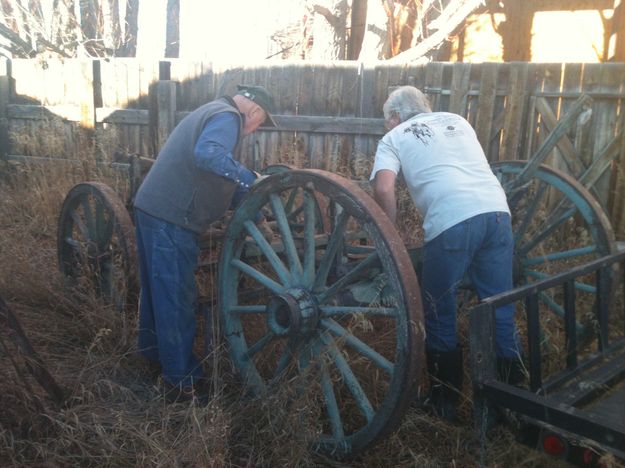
point(576, 413)
point(331, 310)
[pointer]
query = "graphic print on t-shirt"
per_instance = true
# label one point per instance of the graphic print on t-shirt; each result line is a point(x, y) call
point(421, 131)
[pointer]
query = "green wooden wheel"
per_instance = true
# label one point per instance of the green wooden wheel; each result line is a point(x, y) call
point(557, 225)
point(293, 203)
point(336, 314)
point(96, 244)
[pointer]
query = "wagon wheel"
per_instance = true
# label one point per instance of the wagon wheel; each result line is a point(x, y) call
point(339, 312)
point(96, 244)
point(293, 203)
point(557, 225)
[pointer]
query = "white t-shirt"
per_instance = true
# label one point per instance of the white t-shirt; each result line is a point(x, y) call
point(445, 169)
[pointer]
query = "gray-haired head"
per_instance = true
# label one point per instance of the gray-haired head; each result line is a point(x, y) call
point(406, 102)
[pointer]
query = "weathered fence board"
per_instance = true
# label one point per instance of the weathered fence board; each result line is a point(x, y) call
point(329, 113)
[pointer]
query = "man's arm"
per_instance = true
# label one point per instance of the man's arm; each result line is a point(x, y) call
point(384, 192)
point(213, 151)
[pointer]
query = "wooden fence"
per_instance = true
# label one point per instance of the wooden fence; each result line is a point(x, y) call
point(329, 113)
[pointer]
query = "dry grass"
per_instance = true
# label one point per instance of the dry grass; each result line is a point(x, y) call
point(115, 414)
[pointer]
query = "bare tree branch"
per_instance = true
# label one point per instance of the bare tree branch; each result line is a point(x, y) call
point(459, 11)
point(17, 41)
point(327, 14)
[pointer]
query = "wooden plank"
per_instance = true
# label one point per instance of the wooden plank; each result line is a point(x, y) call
point(396, 78)
point(591, 135)
point(572, 84)
point(433, 79)
point(334, 86)
point(475, 80)
point(120, 79)
point(186, 74)
point(305, 93)
point(446, 81)
point(571, 158)
point(499, 112)
point(28, 79)
point(516, 106)
point(288, 89)
point(320, 92)
point(55, 74)
point(617, 210)
point(165, 111)
point(459, 88)
point(322, 124)
point(70, 113)
point(148, 77)
point(591, 77)
point(123, 116)
point(607, 122)
point(316, 141)
point(564, 124)
point(602, 162)
point(486, 103)
point(366, 91)
point(334, 105)
point(5, 99)
point(350, 89)
point(73, 114)
point(539, 76)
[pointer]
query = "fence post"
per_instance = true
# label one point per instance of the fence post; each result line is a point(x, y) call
point(164, 107)
point(87, 95)
point(482, 359)
point(5, 96)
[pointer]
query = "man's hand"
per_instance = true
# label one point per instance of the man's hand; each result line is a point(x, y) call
point(259, 177)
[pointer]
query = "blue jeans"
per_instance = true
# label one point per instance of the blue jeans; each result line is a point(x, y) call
point(481, 248)
point(168, 256)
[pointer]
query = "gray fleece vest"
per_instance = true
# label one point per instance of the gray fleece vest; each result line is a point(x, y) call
point(175, 189)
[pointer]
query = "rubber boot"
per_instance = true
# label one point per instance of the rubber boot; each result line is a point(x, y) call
point(446, 375)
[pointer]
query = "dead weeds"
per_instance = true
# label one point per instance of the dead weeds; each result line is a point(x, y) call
point(115, 414)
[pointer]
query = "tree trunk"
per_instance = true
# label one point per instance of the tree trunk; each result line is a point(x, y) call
point(375, 43)
point(329, 35)
point(172, 38)
point(112, 34)
point(404, 23)
point(129, 43)
point(90, 25)
point(618, 30)
point(516, 30)
point(358, 26)
point(445, 24)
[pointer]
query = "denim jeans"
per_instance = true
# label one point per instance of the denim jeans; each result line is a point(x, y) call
point(481, 248)
point(168, 256)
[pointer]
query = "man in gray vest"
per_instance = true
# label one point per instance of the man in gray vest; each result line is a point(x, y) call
point(194, 180)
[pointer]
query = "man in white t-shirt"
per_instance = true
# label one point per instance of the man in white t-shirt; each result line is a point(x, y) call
point(467, 230)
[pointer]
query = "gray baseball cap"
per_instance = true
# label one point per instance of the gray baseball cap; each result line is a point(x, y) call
point(262, 97)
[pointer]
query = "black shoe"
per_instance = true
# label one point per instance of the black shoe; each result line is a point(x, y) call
point(446, 375)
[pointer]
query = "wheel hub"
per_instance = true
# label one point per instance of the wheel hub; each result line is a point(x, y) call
point(294, 312)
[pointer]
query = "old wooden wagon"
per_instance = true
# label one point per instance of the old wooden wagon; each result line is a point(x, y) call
point(331, 312)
